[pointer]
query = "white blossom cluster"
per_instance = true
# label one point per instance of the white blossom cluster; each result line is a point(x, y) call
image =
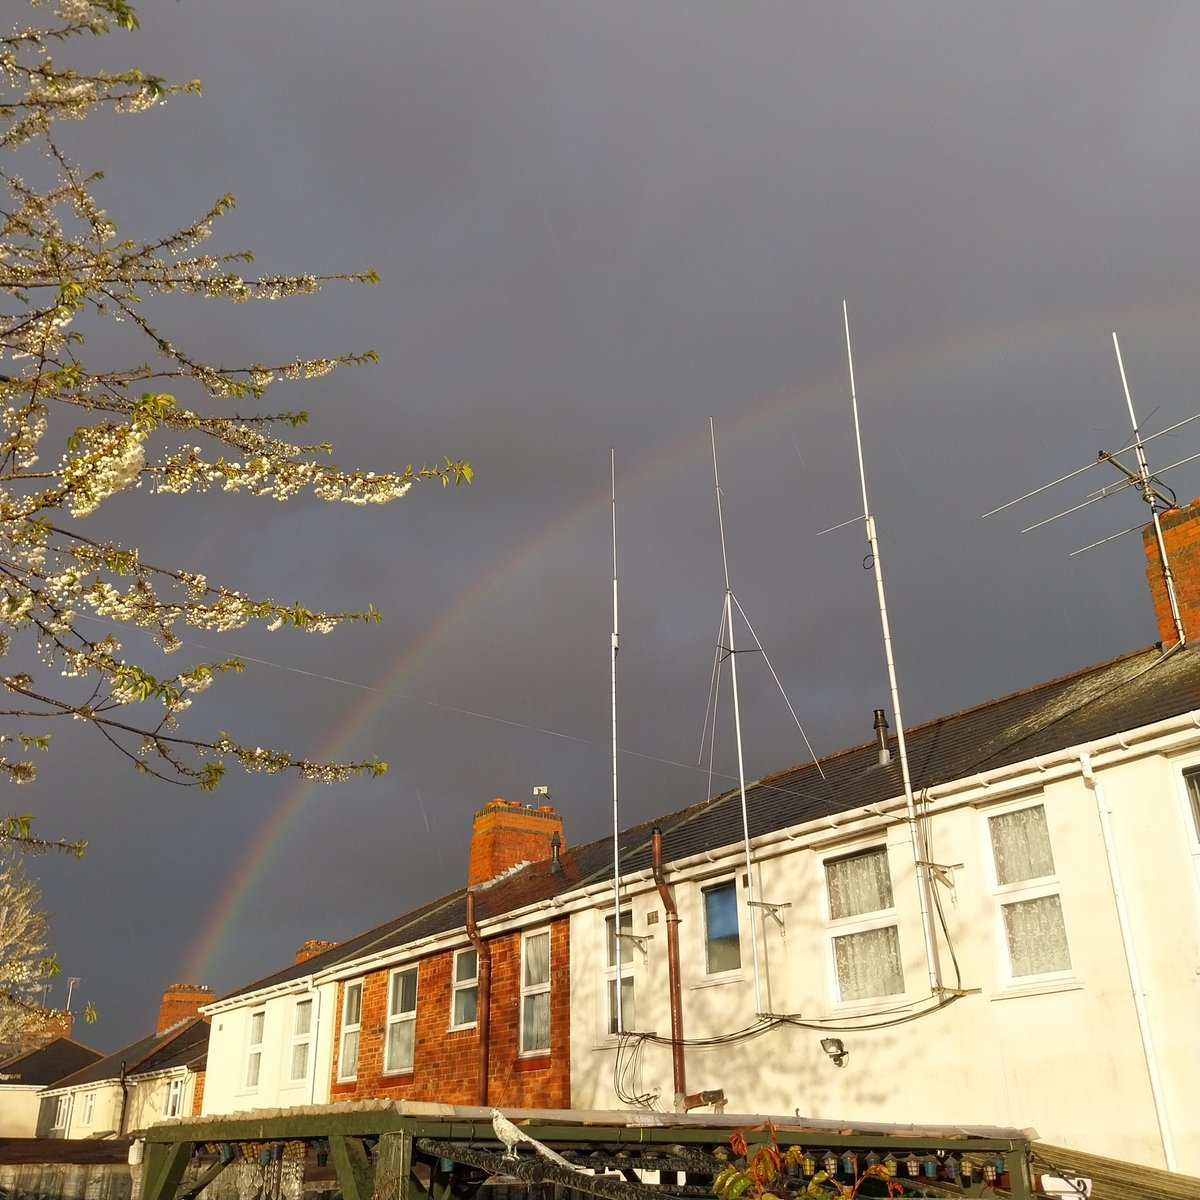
point(163, 420)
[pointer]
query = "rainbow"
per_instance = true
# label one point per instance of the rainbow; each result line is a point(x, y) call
point(875, 376)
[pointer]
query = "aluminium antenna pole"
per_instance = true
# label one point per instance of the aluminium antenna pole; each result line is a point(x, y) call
point(617, 1011)
point(1151, 498)
point(737, 725)
point(920, 856)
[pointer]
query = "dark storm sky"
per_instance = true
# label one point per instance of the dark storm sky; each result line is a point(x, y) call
point(598, 223)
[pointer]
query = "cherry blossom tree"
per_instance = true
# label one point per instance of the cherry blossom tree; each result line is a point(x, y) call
point(74, 432)
point(25, 964)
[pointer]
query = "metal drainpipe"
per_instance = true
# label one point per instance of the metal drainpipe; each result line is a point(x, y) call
point(673, 985)
point(316, 1033)
point(124, 1100)
point(483, 1013)
point(1131, 962)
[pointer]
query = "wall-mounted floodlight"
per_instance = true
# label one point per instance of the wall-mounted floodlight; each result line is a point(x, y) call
point(836, 1050)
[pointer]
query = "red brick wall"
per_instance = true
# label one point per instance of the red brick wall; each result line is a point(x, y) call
point(445, 1061)
point(1181, 534)
point(198, 1094)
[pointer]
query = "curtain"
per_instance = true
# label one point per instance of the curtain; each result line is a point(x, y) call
point(1037, 936)
point(868, 963)
point(859, 884)
point(1021, 845)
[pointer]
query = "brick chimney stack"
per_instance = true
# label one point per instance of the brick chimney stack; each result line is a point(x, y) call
point(312, 948)
point(181, 1001)
point(1181, 536)
point(507, 833)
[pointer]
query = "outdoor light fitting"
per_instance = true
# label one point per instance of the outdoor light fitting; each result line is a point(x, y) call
point(836, 1050)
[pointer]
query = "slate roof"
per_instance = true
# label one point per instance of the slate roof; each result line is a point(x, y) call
point(47, 1064)
point(183, 1045)
point(1120, 695)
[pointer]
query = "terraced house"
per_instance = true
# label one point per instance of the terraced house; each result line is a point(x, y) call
point(1012, 940)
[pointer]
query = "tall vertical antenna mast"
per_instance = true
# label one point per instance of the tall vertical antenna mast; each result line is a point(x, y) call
point(617, 1011)
point(737, 724)
point(920, 856)
point(1151, 497)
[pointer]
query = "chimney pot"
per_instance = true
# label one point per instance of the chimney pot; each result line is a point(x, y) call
point(312, 948)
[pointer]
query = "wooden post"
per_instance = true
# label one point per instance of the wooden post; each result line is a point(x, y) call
point(393, 1179)
point(353, 1167)
point(163, 1169)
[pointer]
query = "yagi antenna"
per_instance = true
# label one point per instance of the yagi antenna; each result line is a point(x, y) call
point(1138, 476)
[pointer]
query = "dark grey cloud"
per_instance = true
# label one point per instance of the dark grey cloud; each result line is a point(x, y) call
point(599, 224)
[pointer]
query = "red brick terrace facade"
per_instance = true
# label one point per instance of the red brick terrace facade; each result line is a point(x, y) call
point(445, 1060)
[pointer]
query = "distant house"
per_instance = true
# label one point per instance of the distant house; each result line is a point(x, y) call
point(24, 1077)
point(154, 1078)
point(463, 1000)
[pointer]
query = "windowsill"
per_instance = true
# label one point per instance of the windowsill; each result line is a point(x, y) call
point(738, 976)
point(399, 1075)
point(1042, 987)
point(533, 1060)
point(462, 1028)
point(867, 1004)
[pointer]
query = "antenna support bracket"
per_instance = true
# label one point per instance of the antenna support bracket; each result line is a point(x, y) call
point(943, 872)
point(773, 911)
point(638, 939)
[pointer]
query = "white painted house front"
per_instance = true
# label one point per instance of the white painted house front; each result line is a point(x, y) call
point(271, 1048)
point(1046, 975)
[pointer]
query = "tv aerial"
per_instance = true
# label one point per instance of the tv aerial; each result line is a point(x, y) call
point(1137, 476)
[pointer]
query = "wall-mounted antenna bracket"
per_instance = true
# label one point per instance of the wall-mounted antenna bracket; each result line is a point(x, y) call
point(943, 873)
point(639, 940)
point(773, 911)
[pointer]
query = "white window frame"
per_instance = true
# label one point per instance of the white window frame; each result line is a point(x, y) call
point(628, 991)
point(707, 945)
point(460, 987)
point(62, 1114)
point(88, 1110)
point(303, 1014)
point(531, 991)
point(853, 926)
point(173, 1100)
point(1191, 812)
point(252, 1078)
point(397, 1017)
point(1010, 894)
point(350, 1029)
